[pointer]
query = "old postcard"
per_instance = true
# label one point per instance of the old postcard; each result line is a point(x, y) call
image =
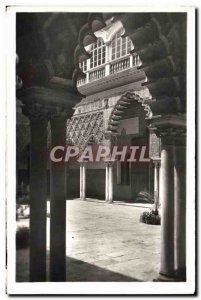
point(101, 148)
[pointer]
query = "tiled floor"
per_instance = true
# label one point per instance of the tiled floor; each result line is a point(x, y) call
point(106, 242)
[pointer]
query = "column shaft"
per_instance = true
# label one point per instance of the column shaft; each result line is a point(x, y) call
point(84, 181)
point(159, 175)
point(81, 181)
point(180, 211)
point(38, 194)
point(57, 206)
point(167, 215)
point(106, 182)
point(156, 184)
point(110, 184)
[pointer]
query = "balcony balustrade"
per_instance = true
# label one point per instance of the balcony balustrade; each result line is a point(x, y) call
point(136, 60)
point(97, 74)
point(81, 81)
point(120, 65)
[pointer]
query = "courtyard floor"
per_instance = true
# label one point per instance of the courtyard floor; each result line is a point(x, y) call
point(105, 242)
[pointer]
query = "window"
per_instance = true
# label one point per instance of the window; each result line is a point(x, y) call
point(83, 66)
point(97, 54)
point(121, 46)
point(119, 50)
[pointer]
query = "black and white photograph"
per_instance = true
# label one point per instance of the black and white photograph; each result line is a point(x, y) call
point(101, 146)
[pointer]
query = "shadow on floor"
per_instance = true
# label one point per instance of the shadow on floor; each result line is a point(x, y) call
point(78, 270)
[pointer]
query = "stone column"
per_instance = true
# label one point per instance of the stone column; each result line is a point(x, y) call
point(106, 182)
point(38, 198)
point(57, 204)
point(84, 181)
point(172, 194)
point(81, 180)
point(108, 170)
point(110, 183)
point(167, 204)
point(156, 183)
point(180, 208)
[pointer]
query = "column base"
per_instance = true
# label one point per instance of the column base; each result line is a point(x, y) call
point(83, 199)
point(181, 275)
point(109, 201)
point(176, 277)
point(165, 278)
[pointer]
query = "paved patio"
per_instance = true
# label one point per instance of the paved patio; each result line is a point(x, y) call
point(105, 242)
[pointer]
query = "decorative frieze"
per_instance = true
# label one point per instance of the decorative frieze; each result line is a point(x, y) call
point(85, 108)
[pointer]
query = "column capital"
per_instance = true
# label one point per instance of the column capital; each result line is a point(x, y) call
point(109, 162)
point(156, 161)
point(173, 140)
point(56, 98)
point(83, 163)
point(171, 129)
point(108, 135)
point(57, 118)
point(36, 112)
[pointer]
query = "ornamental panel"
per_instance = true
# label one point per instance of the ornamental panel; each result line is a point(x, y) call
point(84, 128)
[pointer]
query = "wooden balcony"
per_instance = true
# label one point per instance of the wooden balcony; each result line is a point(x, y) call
point(119, 65)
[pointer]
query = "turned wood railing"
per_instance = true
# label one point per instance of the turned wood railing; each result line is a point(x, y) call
point(113, 67)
